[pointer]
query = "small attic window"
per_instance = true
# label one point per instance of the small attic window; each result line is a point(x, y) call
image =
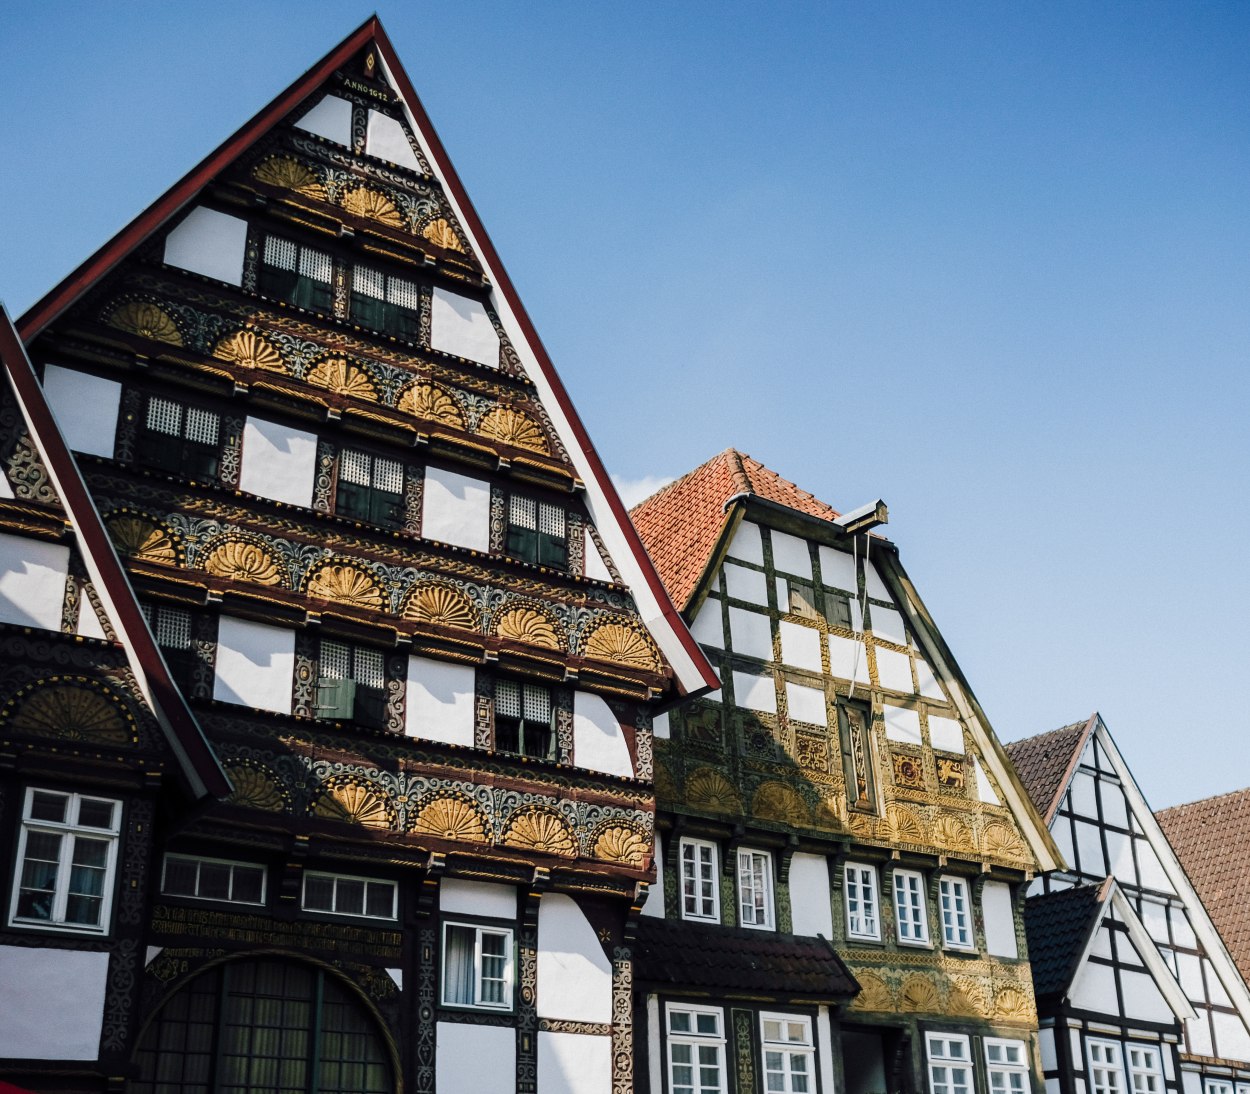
point(300, 275)
point(387, 304)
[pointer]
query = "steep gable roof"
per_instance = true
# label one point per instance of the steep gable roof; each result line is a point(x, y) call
point(1058, 926)
point(197, 762)
point(1045, 763)
point(1202, 833)
point(692, 671)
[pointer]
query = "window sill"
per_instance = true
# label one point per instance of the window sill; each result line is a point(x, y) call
point(58, 928)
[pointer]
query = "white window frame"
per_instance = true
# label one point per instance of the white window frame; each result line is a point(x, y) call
point(862, 900)
point(694, 1040)
point(911, 914)
point(1005, 1058)
point(706, 908)
point(232, 863)
point(334, 899)
point(790, 1051)
point(69, 832)
point(1149, 1069)
point(479, 930)
point(956, 908)
point(1217, 1086)
point(749, 914)
point(1106, 1059)
point(941, 1061)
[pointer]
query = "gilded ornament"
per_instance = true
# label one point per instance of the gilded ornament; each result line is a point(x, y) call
point(539, 830)
point(508, 425)
point(441, 234)
point(775, 801)
point(952, 833)
point(73, 713)
point(248, 349)
point(999, 841)
point(621, 644)
point(950, 773)
point(147, 320)
point(256, 788)
point(528, 625)
point(343, 378)
point(709, 790)
point(1012, 1005)
point(621, 843)
point(355, 804)
point(344, 583)
point(967, 997)
point(288, 173)
point(905, 826)
point(431, 402)
point(361, 201)
point(451, 818)
point(907, 770)
point(441, 606)
point(241, 560)
point(920, 996)
point(874, 993)
point(142, 538)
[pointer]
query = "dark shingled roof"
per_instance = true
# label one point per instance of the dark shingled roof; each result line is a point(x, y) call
point(737, 961)
point(1202, 833)
point(1058, 925)
point(1044, 763)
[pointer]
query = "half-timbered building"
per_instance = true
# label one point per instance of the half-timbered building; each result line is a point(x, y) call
point(419, 641)
point(843, 846)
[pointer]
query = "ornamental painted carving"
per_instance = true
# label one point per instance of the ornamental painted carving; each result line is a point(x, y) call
point(709, 790)
point(540, 830)
point(343, 378)
point(429, 401)
point(441, 606)
point(507, 425)
point(621, 843)
point(967, 997)
point(250, 350)
point(243, 560)
point(874, 993)
point(442, 234)
point(451, 818)
point(528, 625)
point(288, 173)
point(999, 841)
point(621, 644)
point(147, 320)
point(78, 709)
point(905, 826)
point(1012, 1005)
point(952, 833)
point(344, 583)
point(256, 788)
point(142, 538)
point(363, 201)
point(920, 996)
point(775, 801)
point(355, 804)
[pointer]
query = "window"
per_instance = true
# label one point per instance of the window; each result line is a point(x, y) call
point(523, 716)
point(950, 1065)
point(854, 722)
point(802, 600)
point(755, 889)
point(352, 684)
point(340, 895)
point(699, 895)
point(862, 917)
point(171, 627)
point(1217, 1086)
point(183, 440)
point(477, 966)
point(909, 910)
point(956, 921)
point(1145, 1071)
point(300, 275)
point(788, 1053)
point(370, 488)
point(390, 305)
point(696, 1051)
point(1106, 1068)
point(67, 854)
point(1007, 1065)
point(537, 532)
point(213, 879)
point(837, 610)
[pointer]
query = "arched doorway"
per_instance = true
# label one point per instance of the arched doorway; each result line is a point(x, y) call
point(266, 1026)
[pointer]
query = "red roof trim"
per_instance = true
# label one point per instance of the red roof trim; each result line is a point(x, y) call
point(205, 774)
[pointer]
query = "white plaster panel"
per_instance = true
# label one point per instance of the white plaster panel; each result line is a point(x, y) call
point(660, 727)
point(1198, 1036)
point(255, 664)
point(742, 583)
point(800, 646)
point(472, 1057)
point(887, 624)
point(1000, 923)
point(1083, 795)
point(385, 138)
point(1189, 973)
point(331, 118)
point(596, 568)
point(1154, 918)
point(1046, 1041)
point(89, 620)
point(1231, 1040)
point(655, 1064)
point(1052, 1086)
point(873, 585)
point(751, 633)
point(1142, 998)
point(574, 974)
point(755, 692)
point(572, 1063)
point(1215, 989)
point(457, 896)
point(440, 700)
point(6, 487)
point(806, 704)
point(1114, 809)
point(1169, 1070)
point(278, 462)
point(461, 326)
point(1120, 853)
point(985, 788)
point(210, 243)
point(708, 626)
point(847, 657)
point(1089, 847)
point(1101, 945)
point(456, 509)
point(811, 910)
point(929, 686)
point(32, 582)
point(946, 734)
point(824, 1048)
point(1182, 932)
point(901, 724)
point(746, 544)
point(790, 555)
point(837, 568)
point(1062, 833)
point(654, 904)
point(1078, 1048)
point(1151, 869)
point(397, 975)
point(598, 741)
point(85, 407)
point(1191, 1081)
point(1095, 989)
point(51, 1003)
point(894, 670)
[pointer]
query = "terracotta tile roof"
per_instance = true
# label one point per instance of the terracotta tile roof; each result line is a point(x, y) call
point(681, 523)
point(1210, 838)
point(1058, 925)
point(737, 961)
point(1044, 763)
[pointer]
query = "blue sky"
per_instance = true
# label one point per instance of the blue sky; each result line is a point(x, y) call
point(989, 262)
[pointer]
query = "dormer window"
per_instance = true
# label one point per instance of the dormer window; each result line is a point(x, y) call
point(183, 440)
point(387, 304)
point(537, 532)
point(300, 275)
point(370, 488)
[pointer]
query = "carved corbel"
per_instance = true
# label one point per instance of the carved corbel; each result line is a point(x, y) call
point(540, 882)
point(293, 871)
point(729, 860)
point(427, 894)
point(783, 859)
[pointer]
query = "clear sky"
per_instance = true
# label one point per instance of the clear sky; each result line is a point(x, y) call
point(987, 261)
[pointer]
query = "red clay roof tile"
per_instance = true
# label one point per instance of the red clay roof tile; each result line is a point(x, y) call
point(1044, 763)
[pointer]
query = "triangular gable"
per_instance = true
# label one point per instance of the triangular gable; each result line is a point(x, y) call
point(197, 762)
point(691, 669)
point(1046, 762)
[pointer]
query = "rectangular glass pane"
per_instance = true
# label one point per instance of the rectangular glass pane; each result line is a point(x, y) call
point(280, 253)
point(93, 813)
point(47, 806)
point(164, 416)
point(318, 893)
